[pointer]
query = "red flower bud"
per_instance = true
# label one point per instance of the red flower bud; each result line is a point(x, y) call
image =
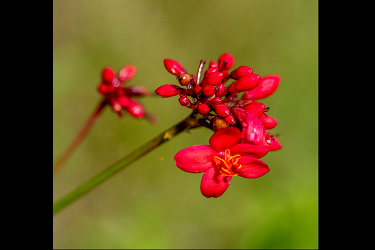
point(135, 109)
point(197, 89)
point(213, 64)
point(210, 70)
point(214, 78)
point(273, 143)
point(228, 58)
point(266, 87)
point(245, 83)
point(216, 100)
point(203, 109)
point(229, 119)
point(240, 71)
point(174, 67)
point(168, 90)
point(256, 108)
point(107, 75)
point(124, 101)
point(221, 110)
point(103, 88)
point(220, 90)
point(208, 90)
point(127, 73)
point(183, 100)
point(267, 121)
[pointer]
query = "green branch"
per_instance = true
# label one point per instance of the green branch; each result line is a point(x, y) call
point(188, 123)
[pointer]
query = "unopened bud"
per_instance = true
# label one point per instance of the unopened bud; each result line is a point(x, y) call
point(266, 87)
point(168, 90)
point(203, 109)
point(228, 58)
point(221, 110)
point(267, 121)
point(127, 73)
point(107, 75)
point(174, 67)
point(240, 71)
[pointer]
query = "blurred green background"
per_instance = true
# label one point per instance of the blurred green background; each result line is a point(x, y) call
point(152, 203)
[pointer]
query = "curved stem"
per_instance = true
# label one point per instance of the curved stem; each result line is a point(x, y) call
point(188, 123)
point(82, 133)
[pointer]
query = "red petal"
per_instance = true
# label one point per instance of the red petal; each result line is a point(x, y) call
point(225, 138)
point(255, 151)
point(252, 167)
point(257, 108)
point(214, 184)
point(255, 132)
point(266, 87)
point(195, 159)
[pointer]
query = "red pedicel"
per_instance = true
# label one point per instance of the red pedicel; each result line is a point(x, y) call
point(174, 67)
point(266, 87)
point(240, 71)
point(168, 90)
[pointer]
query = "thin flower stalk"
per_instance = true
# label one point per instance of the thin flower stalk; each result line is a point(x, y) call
point(189, 122)
point(79, 137)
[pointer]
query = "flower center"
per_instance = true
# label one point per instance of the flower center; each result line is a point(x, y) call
point(228, 165)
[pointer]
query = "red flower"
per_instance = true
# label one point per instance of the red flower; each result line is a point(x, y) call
point(120, 97)
point(224, 157)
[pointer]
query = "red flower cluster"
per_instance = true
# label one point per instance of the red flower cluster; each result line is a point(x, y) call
point(119, 97)
point(240, 125)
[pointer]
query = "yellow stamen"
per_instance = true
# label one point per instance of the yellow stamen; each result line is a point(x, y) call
point(228, 164)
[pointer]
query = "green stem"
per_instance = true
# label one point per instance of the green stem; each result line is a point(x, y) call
point(188, 123)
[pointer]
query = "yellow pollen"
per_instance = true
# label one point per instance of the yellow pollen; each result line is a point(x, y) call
point(228, 164)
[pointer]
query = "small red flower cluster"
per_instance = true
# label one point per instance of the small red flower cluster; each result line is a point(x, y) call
point(240, 125)
point(119, 97)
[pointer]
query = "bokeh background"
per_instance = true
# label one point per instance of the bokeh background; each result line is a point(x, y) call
point(152, 203)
